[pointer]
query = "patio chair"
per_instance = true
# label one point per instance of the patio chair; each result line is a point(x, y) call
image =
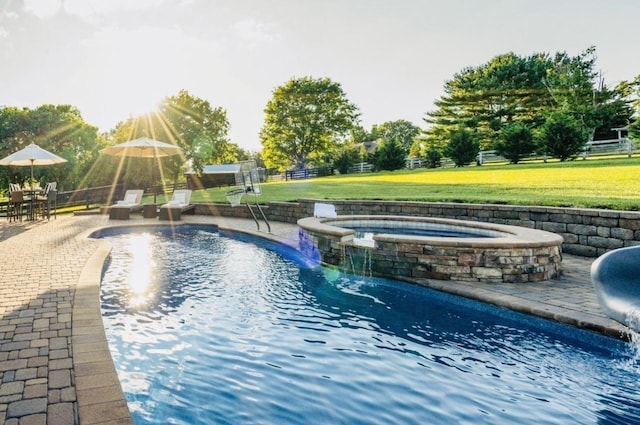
point(48, 201)
point(15, 206)
point(132, 202)
point(180, 203)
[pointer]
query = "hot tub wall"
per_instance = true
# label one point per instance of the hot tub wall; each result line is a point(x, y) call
point(414, 260)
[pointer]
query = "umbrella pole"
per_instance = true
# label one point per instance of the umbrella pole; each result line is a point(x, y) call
point(32, 174)
point(153, 168)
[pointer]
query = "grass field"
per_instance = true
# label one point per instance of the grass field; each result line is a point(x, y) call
point(593, 183)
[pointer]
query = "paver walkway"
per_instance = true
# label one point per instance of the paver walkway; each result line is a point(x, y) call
point(55, 366)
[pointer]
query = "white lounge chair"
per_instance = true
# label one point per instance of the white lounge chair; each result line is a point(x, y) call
point(132, 202)
point(179, 203)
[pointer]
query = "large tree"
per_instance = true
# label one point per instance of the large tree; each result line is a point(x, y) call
point(508, 88)
point(576, 86)
point(56, 128)
point(305, 120)
point(186, 121)
point(402, 131)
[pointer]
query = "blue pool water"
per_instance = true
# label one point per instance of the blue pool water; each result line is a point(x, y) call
point(209, 328)
point(365, 231)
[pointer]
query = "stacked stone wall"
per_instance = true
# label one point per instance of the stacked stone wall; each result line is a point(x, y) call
point(586, 232)
point(415, 259)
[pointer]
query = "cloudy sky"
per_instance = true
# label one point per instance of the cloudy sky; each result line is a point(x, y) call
point(116, 58)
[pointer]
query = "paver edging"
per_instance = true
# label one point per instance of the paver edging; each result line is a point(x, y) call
point(93, 373)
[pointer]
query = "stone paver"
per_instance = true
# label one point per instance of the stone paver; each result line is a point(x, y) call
point(55, 365)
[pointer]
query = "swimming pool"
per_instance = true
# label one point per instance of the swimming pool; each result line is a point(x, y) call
point(222, 328)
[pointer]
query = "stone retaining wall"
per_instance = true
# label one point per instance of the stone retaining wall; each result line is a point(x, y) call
point(586, 232)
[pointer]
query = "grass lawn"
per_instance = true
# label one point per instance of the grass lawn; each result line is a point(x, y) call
point(612, 183)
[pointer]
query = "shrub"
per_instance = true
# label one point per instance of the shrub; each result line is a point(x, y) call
point(562, 136)
point(390, 156)
point(463, 147)
point(516, 141)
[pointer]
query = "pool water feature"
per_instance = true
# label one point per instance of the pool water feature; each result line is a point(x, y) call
point(218, 328)
point(417, 248)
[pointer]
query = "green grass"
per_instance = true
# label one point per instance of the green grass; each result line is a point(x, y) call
point(594, 183)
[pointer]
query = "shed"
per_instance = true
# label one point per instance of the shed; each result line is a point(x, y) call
point(213, 176)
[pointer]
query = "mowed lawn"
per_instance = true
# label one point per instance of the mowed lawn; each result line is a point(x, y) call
point(593, 183)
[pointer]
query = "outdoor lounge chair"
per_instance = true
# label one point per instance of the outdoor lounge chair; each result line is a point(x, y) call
point(132, 202)
point(180, 203)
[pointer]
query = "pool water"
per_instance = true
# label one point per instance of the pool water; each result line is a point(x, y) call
point(210, 328)
point(369, 231)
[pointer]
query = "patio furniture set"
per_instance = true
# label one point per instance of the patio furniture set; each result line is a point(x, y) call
point(31, 203)
point(132, 203)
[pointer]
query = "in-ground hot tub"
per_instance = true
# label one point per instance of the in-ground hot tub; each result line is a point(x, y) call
point(414, 248)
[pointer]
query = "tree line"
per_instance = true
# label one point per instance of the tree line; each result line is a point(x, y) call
point(189, 122)
point(542, 103)
point(547, 104)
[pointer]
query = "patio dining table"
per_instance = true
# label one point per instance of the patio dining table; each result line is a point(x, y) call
point(31, 197)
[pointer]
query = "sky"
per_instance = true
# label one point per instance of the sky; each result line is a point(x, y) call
point(113, 59)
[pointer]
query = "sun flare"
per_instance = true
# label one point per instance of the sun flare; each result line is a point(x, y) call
point(141, 272)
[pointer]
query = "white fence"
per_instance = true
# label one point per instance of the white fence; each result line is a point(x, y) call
point(361, 167)
point(622, 146)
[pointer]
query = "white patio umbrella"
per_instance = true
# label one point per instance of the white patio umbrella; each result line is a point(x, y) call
point(144, 148)
point(30, 156)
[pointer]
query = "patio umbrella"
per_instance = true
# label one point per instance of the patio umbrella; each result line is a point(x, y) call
point(144, 148)
point(30, 156)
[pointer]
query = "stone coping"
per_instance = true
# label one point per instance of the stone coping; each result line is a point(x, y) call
point(491, 235)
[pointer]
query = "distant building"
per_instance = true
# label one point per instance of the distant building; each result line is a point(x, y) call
point(213, 176)
point(370, 146)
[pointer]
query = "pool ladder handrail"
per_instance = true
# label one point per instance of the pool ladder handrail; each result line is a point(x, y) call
point(250, 189)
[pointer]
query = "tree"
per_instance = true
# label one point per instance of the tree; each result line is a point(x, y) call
point(516, 141)
point(463, 147)
point(576, 86)
point(345, 157)
point(433, 156)
point(199, 128)
point(415, 151)
point(304, 121)
point(630, 91)
point(508, 88)
point(562, 136)
point(56, 128)
point(186, 121)
point(401, 131)
point(390, 156)
point(359, 135)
